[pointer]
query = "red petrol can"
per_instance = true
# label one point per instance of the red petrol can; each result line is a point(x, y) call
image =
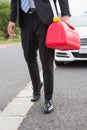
point(62, 36)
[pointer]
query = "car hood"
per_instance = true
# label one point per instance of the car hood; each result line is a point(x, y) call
point(82, 31)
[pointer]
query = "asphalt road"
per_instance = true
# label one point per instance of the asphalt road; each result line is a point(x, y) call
point(70, 101)
point(70, 93)
point(14, 74)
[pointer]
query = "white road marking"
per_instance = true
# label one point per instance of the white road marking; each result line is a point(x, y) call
point(8, 45)
point(16, 111)
point(12, 116)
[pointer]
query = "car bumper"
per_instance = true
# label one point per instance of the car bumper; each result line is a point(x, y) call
point(75, 55)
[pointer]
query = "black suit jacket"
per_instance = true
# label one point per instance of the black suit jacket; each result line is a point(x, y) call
point(43, 9)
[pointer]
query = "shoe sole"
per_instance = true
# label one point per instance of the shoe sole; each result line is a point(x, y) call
point(47, 112)
point(32, 100)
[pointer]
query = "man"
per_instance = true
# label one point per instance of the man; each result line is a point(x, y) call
point(34, 18)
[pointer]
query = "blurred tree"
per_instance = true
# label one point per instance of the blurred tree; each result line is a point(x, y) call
point(4, 19)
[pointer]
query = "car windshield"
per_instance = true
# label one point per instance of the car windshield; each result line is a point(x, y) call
point(78, 21)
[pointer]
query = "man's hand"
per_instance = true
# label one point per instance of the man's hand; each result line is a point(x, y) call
point(10, 29)
point(65, 19)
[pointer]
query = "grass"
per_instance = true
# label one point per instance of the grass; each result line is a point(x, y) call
point(9, 41)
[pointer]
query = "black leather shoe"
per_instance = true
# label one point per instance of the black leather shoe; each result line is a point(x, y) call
point(36, 95)
point(48, 106)
point(35, 98)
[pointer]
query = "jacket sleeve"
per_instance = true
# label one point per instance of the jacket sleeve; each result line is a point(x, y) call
point(13, 10)
point(64, 6)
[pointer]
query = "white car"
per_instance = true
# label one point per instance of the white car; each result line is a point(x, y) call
point(80, 24)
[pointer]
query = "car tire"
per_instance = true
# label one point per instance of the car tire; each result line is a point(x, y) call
point(59, 63)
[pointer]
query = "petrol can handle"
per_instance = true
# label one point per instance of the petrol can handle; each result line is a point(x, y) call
point(70, 26)
point(55, 16)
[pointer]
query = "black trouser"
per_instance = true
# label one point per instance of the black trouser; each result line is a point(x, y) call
point(33, 34)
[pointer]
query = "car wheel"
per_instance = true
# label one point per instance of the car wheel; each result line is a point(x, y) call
point(59, 63)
